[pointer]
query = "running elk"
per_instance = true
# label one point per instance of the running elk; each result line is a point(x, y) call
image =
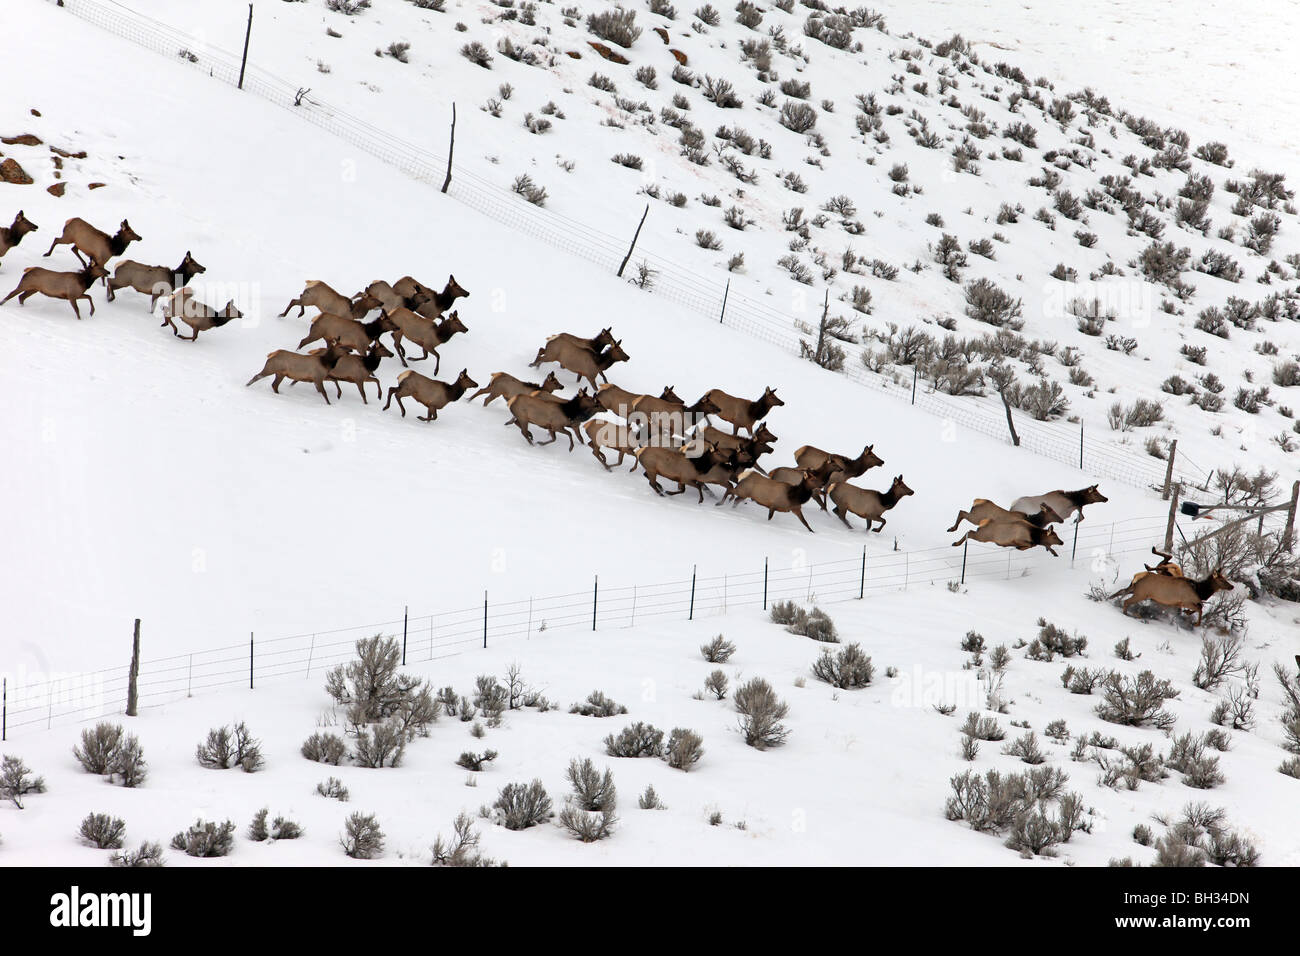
point(619, 400)
point(1012, 533)
point(199, 317)
point(358, 369)
point(504, 385)
point(348, 333)
point(69, 286)
point(665, 418)
point(432, 304)
point(432, 394)
point(1168, 590)
point(613, 436)
point(809, 457)
point(314, 367)
point(749, 450)
point(153, 281)
point(603, 340)
point(740, 412)
point(11, 235)
point(320, 296)
point(775, 495)
point(1064, 503)
point(98, 246)
point(691, 466)
point(583, 362)
point(426, 333)
point(555, 416)
point(866, 503)
point(982, 508)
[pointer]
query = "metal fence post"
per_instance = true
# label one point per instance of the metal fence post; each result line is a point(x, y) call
point(250, 660)
point(965, 545)
point(915, 372)
point(764, 584)
point(725, 292)
point(862, 580)
point(691, 614)
point(1081, 446)
point(595, 592)
point(4, 712)
point(1074, 547)
point(248, 33)
point(485, 620)
point(405, 611)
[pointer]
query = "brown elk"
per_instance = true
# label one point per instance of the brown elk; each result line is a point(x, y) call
point(748, 449)
point(98, 246)
point(69, 286)
point(1012, 533)
point(199, 317)
point(426, 333)
point(614, 436)
point(11, 235)
point(603, 340)
point(153, 281)
point(1165, 565)
point(619, 400)
point(555, 416)
point(504, 385)
point(583, 362)
point(663, 418)
point(313, 367)
point(430, 393)
point(411, 290)
point(689, 466)
point(866, 503)
point(774, 495)
point(740, 412)
point(357, 369)
point(809, 456)
point(318, 295)
point(347, 332)
point(1170, 591)
point(432, 304)
point(982, 508)
point(1064, 503)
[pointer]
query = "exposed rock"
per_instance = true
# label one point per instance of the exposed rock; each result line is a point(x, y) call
point(607, 53)
point(25, 139)
point(681, 57)
point(57, 189)
point(11, 172)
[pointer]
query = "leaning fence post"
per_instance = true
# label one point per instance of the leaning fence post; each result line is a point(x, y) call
point(595, 592)
point(1173, 510)
point(965, 545)
point(1074, 547)
point(1288, 535)
point(405, 610)
point(1169, 469)
point(248, 33)
point(189, 677)
point(623, 264)
point(915, 372)
point(311, 649)
point(132, 690)
point(451, 148)
point(691, 614)
point(725, 293)
point(862, 581)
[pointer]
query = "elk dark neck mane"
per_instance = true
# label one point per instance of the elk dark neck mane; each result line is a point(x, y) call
point(371, 362)
point(1076, 498)
point(799, 494)
point(373, 328)
point(1205, 588)
point(759, 407)
point(443, 329)
point(186, 271)
point(118, 244)
point(889, 498)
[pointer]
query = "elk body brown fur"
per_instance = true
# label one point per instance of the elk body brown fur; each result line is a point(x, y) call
point(313, 367)
point(358, 369)
point(583, 362)
point(618, 400)
point(613, 436)
point(692, 467)
point(810, 456)
point(741, 412)
point(69, 286)
point(504, 385)
point(347, 332)
point(97, 246)
point(603, 340)
point(866, 503)
point(1064, 503)
point(199, 317)
point(426, 333)
point(318, 295)
point(982, 508)
point(429, 303)
point(153, 281)
point(774, 495)
point(1173, 591)
point(1012, 533)
point(430, 393)
point(555, 416)
point(13, 234)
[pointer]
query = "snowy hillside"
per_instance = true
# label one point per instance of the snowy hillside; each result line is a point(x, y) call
point(147, 481)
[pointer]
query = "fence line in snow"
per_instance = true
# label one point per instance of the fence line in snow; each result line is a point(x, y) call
point(725, 301)
point(33, 705)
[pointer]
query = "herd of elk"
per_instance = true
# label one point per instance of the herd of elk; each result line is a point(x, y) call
point(13, 234)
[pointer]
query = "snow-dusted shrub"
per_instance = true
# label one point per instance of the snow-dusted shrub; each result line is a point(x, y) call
point(721, 93)
point(258, 831)
point(636, 740)
point(362, 839)
point(718, 650)
point(716, 684)
point(98, 748)
point(522, 806)
point(206, 839)
point(649, 800)
point(348, 8)
point(618, 26)
point(333, 788)
point(708, 15)
point(472, 761)
point(982, 728)
point(598, 705)
point(379, 745)
point(149, 854)
point(477, 54)
point(102, 831)
point(325, 748)
point(761, 714)
point(227, 747)
point(1053, 640)
point(1220, 659)
point(285, 829)
point(849, 668)
point(1136, 701)
point(685, 748)
point(373, 690)
point(1026, 748)
point(986, 302)
point(462, 849)
point(798, 117)
point(529, 190)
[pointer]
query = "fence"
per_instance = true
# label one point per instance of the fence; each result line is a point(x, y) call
point(705, 295)
point(57, 700)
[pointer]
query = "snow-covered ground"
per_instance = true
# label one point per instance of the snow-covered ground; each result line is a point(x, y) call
point(145, 481)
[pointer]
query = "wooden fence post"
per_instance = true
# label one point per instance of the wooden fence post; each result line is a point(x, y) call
point(725, 292)
point(451, 148)
point(1173, 511)
point(132, 690)
point(1169, 470)
point(623, 264)
point(248, 33)
point(250, 660)
point(1288, 536)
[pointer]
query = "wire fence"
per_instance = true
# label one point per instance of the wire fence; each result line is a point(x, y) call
point(735, 303)
point(41, 702)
